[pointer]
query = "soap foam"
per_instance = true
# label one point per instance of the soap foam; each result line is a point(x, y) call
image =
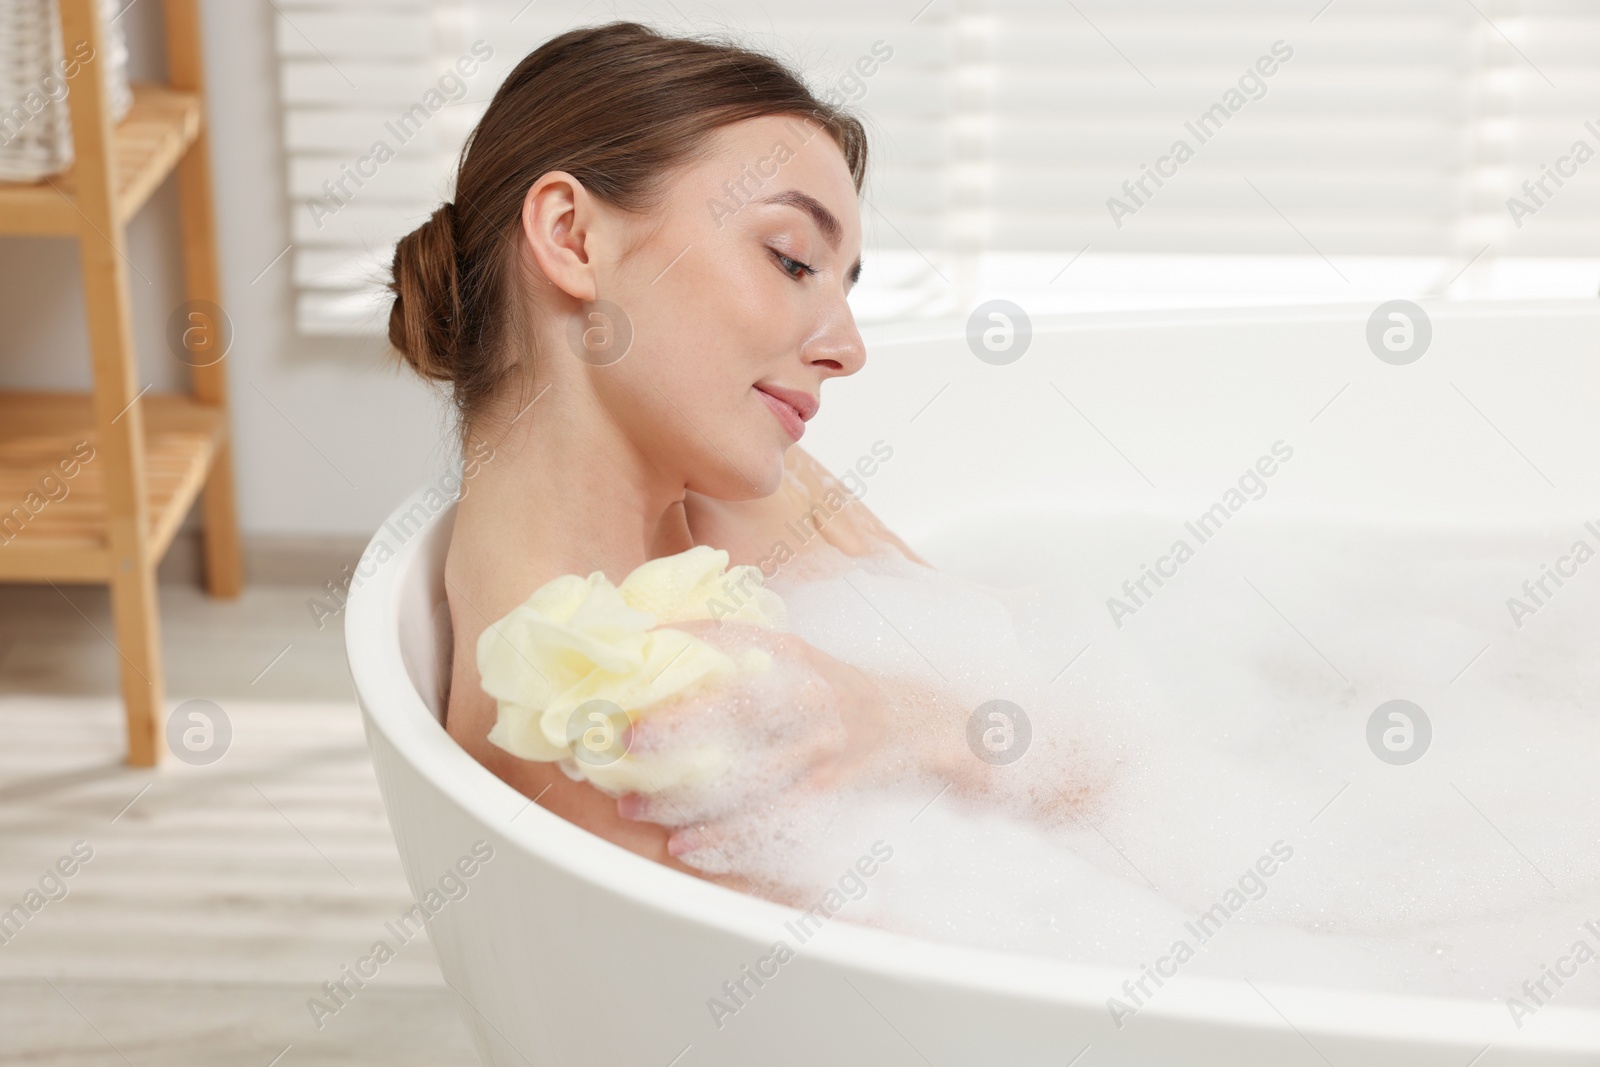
point(1170, 754)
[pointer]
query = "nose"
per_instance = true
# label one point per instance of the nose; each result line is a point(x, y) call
point(837, 351)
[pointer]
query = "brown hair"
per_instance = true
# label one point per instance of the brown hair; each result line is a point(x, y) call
point(619, 106)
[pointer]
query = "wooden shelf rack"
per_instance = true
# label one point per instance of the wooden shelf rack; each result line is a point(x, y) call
point(153, 455)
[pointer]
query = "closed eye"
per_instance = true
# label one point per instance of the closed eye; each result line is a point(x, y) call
point(789, 266)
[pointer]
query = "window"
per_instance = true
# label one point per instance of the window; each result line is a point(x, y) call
point(1343, 151)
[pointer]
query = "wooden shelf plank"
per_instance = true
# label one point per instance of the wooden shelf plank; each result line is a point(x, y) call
point(59, 532)
point(148, 143)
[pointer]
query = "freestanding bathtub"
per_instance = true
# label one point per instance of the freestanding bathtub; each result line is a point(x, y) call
point(567, 950)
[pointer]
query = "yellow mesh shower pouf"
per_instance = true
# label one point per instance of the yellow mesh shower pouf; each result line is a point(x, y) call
point(581, 639)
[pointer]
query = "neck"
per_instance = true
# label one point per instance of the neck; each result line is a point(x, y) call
point(566, 491)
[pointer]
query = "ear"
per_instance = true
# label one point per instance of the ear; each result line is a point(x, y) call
point(558, 230)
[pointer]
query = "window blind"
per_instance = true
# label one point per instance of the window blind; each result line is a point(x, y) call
point(1415, 144)
point(1377, 128)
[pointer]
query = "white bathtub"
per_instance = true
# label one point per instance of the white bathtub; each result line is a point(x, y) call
point(568, 950)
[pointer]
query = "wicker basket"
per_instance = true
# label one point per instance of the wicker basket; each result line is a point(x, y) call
point(35, 126)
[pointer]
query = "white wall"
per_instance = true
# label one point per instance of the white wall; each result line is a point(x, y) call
point(374, 423)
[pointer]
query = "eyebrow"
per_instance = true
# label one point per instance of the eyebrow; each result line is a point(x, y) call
point(826, 221)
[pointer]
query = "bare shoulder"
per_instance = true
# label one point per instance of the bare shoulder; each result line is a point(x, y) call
point(850, 525)
point(471, 713)
point(809, 509)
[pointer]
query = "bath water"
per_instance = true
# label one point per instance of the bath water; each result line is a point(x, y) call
point(1202, 770)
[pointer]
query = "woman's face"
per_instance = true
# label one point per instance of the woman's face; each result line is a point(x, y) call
point(734, 291)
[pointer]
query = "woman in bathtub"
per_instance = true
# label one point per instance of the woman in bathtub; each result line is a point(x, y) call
point(636, 298)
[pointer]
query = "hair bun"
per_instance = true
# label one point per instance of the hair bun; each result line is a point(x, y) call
point(426, 313)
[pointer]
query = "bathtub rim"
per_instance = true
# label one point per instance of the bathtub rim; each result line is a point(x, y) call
point(1069, 322)
point(400, 715)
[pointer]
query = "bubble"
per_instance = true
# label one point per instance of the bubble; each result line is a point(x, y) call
point(1169, 768)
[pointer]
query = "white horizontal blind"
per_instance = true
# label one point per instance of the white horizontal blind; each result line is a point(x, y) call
point(1361, 138)
point(1544, 97)
point(350, 68)
point(368, 148)
point(1396, 127)
point(1356, 128)
point(1003, 131)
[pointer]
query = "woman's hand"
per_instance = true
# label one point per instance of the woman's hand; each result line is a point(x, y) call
point(807, 724)
point(803, 716)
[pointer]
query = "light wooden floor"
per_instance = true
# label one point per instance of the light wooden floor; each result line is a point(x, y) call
point(219, 898)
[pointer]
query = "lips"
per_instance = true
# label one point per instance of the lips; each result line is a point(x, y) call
point(804, 404)
point(791, 407)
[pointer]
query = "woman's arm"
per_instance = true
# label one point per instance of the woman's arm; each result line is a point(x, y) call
point(810, 726)
point(472, 714)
